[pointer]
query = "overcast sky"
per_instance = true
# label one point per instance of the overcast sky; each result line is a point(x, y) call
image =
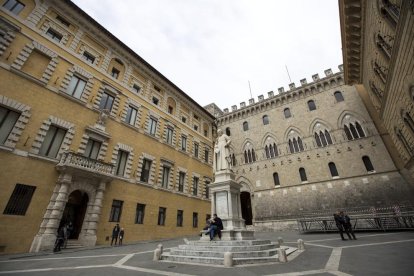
point(212, 48)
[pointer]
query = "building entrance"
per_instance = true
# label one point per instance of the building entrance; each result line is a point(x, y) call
point(246, 207)
point(74, 212)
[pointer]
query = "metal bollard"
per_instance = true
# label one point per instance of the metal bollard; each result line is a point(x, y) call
point(301, 245)
point(228, 259)
point(282, 255)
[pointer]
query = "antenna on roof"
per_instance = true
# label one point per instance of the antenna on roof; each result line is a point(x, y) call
point(288, 73)
point(250, 90)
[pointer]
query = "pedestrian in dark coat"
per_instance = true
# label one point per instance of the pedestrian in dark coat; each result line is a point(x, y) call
point(115, 234)
point(121, 236)
point(340, 224)
point(348, 225)
point(60, 239)
point(216, 227)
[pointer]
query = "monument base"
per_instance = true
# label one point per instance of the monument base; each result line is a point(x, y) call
point(231, 235)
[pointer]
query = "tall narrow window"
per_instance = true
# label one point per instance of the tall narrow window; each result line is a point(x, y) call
point(245, 126)
point(183, 143)
point(207, 190)
point(228, 133)
point(8, 119)
point(338, 96)
point(195, 186)
point(332, 169)
point(368, 164)
point(311, 105)
point(318, 140)
point(92, 149)
point(265, 120)
point(328, 137)
point(233, 160)
point(253, 156)
point(181, 180)
point(121, 162)
point(302, 174)
point(162, 213)
point(195, 220)
point(286, 112)
point(20, 200)
point(359, 130)
point(76, 87)
point(52, 142)
point(323, 139)
point(106, 101)
point(196, 150)
point(116, 210)
point(276, 179)
point(347, 132)
point(145, 173)
point(291, 149)
point(14, 6)
point(152, 127)
point(170, 109)
point(140, 213)
point(408, 121)
point(353, 131)
point(131, 115)
point(300, 144)
point(180, 215)
point(206, 153)
point(169, 138)
point(165, 176)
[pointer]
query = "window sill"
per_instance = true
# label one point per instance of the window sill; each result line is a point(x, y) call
point(49, 159)
point(335, 177)
point(69, 97)
point(371, 172)
point(6, 148)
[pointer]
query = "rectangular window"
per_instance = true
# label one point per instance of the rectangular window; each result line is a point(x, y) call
point(145, 173)
point(181, 179)
point(152, 126)
point(8, 119)
point(76, 87)
point(131, 115)
point(139, 217)
point(88, 57)
point(165, 177)
point(116, 210)
point(195, 220)
point(14, 6)
point(157, 88)
point(155, 101)
point(162, 213)
point(196, 150)
point(52, 142)
point(183, 119)
point(170, 109)
point(207, 190)
point(54, 35)
point(195, 185)
point(180, 218)
point(92, 149)
point(115, 72)
point(107, 102)
point(136, 88)
point(62, 20)
point(121, 162)
point(206, 152)
point(19, 200)
point(183, 143)
point(196, 127)
point(169, 135)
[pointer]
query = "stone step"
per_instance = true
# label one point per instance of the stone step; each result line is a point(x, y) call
point(218, 261)
point(243, 254)
point(234, 242)
point(217, 247)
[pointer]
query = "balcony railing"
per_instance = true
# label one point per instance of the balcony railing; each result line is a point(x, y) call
point(78, 161)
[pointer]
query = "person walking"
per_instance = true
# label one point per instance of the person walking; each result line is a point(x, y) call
point(121, 236)
point(348, 225)
point(60, 239)
point(340, 222)
point(115, 234)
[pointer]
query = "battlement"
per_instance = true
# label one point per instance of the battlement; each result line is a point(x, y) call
point(317, 83)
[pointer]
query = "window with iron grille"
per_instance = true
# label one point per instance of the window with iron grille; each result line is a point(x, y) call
point(19, 200)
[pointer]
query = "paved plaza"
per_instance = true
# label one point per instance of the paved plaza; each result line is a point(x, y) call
point(374, 253)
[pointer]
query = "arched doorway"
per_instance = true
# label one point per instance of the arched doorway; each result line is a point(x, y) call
point(246, 207)
point(74, 212)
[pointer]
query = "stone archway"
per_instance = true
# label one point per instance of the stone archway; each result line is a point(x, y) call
point(246, 208)
point(74, 212)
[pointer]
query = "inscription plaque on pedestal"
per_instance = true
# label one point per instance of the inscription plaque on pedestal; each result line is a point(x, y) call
point(221, 204)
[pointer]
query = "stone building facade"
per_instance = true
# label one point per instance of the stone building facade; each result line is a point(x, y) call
point(92, 134)
point(378, 43)
point(312, 148)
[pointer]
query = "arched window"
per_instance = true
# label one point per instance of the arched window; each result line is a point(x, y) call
point(253, 156)
point(360, 130)
point(300, 144)
point(380, 72)
point(295, 145)
point(246, 158)
point(390, 11)
point(228, 131)
point(348, 133)
point(311, 105)
point(368, 164)
point(383, 45)
point(302, 174)
point(271, 151)
point(265, 120)
point(338, 96)
point(408, 121)
point(318, 140)
point(291, 149)
point(332, 169)
point(245, 126)
point(233, 160)
point(323, 138)
point(276, 179)
point(404, 141)
point(286, 111)
point(328, 137)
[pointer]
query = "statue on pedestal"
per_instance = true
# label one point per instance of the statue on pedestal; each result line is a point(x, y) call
point(222, 152)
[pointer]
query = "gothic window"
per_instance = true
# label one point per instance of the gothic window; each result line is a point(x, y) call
point(380, 71)
point(359, 130)
point(311, 105)
point(328, 137)
point(286, 112)
point(276, 179)
point(271, 150)
point(354, 131)
point(368, 164)
point(383, 45)
point(265, 120)
point(390, 11)
point(302, 174)
point(408, 121)
point(338, 96)
point(404, 141)
point(332, 169)
point(249, 156)
point(245, 126)
point(323, 138)
point(228, 131)
point(348, 133)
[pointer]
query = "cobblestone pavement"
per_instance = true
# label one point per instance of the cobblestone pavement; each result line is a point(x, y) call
point(374, 253)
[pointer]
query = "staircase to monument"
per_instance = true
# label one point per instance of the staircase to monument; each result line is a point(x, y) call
point(244, 252)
